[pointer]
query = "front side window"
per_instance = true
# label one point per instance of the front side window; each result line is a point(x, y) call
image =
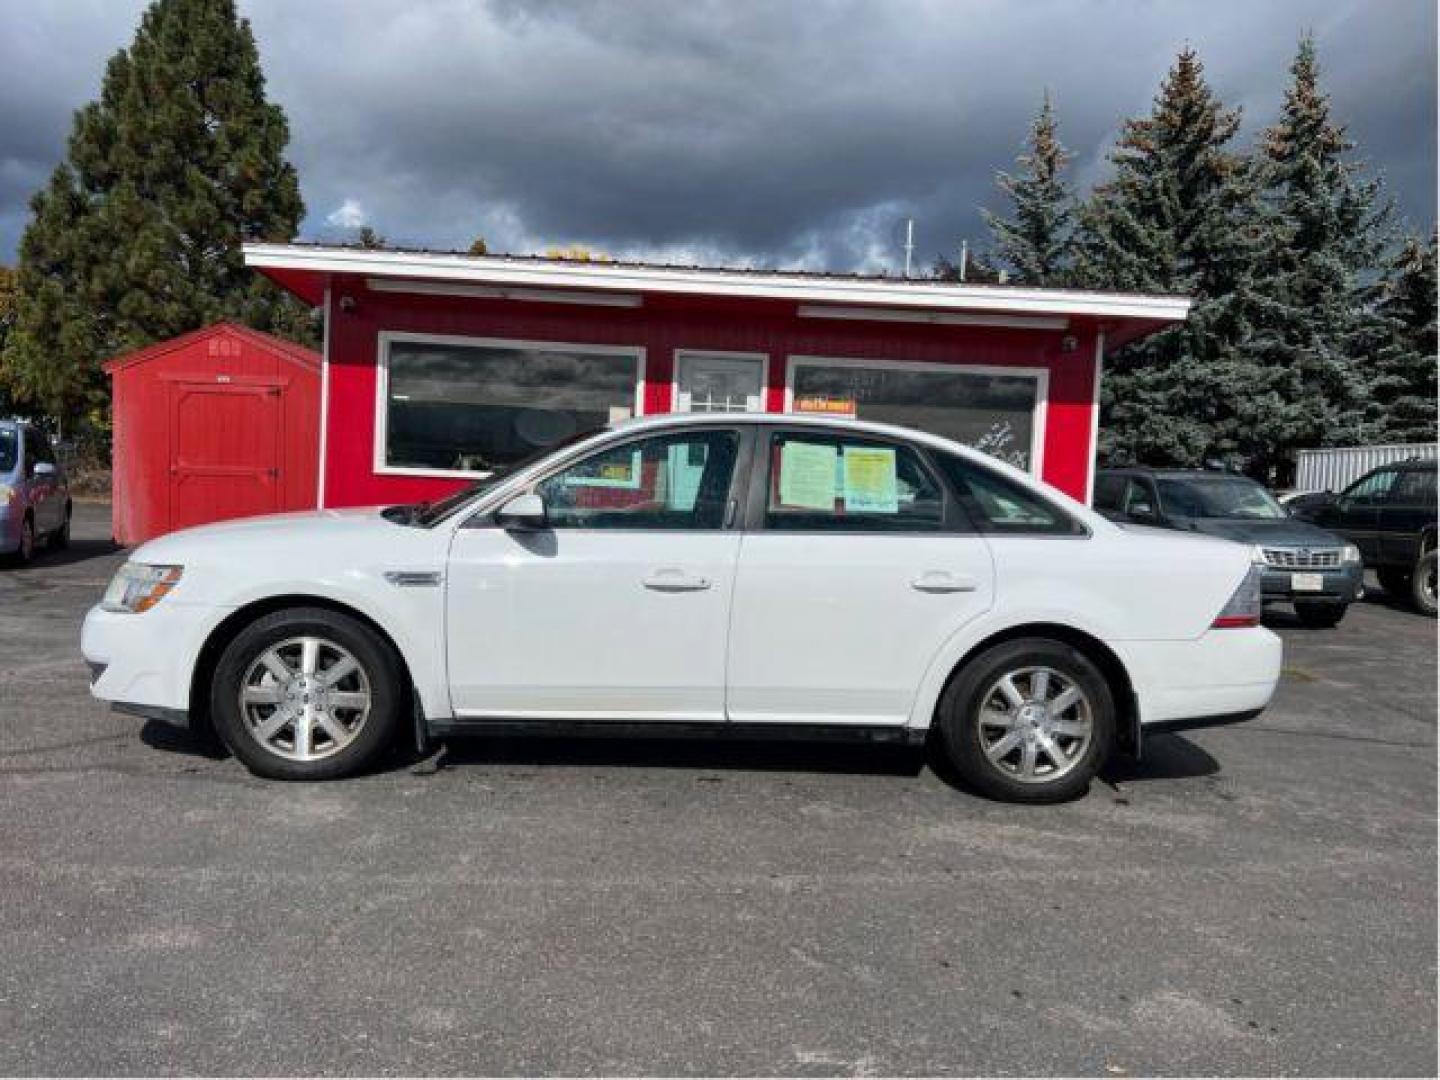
point(475, 407)
point(1414, 487)
point(836, 483)
point(1109, 492)
point(999, 505)
point(995, 413)
point(676, 481)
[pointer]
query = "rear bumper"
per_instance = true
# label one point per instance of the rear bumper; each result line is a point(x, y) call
point(1220, 675)
point(1337, 586)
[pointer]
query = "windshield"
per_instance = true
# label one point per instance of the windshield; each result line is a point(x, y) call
point(1222, 497)
point(9, 448)
point(430, 513)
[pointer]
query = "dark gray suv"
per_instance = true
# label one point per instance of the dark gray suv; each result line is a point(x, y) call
point(1319, 572)
point(34, 494)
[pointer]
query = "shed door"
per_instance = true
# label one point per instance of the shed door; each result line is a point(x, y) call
point(224, 452)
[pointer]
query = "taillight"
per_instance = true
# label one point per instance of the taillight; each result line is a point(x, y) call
point(1243, 607)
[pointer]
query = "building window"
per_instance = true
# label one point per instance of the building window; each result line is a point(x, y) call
point(997, 410)
point(469, 405)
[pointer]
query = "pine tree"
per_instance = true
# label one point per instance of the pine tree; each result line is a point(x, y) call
point(1325, 235)
point(1178, 217)
point(137, 235)
point(1402, 387)
point(1035, 244)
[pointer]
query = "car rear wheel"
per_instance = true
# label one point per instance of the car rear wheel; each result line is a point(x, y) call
point(1422, 584)
point(1030, 720)
point(1320, 613)
point(307, 694)
point(60, 538)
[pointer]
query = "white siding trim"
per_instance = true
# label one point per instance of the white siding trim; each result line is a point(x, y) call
point(1090, 462)
point(324, 402)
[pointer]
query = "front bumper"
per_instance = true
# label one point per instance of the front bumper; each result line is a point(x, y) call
point(1339, 586)
point(144, 662)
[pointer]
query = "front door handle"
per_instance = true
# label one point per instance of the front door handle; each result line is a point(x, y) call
point(941, 581)
point(673, 579)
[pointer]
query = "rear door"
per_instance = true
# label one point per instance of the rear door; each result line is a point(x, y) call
point(854, 568)
point(225, 441)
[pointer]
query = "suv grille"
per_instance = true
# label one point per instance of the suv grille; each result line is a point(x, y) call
point(1303, 558)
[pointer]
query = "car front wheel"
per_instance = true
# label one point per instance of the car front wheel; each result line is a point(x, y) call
point(307, 694)
point(1319, 613)
point(1422, 584)
point(1030, 720)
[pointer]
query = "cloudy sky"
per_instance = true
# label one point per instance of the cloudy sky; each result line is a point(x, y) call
point(719, 131)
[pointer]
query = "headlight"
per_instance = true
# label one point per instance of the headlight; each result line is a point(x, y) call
point(1350, 554)
point(137, 587)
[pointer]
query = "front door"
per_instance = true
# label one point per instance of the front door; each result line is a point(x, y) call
point(225, 441)
point(618, 609)
point(719, 382)
point(852, 578)
point(1357, 512)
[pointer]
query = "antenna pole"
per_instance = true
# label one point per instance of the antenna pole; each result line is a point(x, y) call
point(964, 257)
point(909, 243)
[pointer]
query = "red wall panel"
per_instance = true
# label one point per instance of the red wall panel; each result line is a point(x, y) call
point(660, 326)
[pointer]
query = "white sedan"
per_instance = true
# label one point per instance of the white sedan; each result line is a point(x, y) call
point(755, 576)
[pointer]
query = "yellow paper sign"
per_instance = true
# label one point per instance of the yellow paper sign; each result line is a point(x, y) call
point(870, 480)
point(807, 476)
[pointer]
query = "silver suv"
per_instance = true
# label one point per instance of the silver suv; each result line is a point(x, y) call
point(34, 494)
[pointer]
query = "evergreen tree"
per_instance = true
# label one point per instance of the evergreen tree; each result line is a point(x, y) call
point(1404, 367)
point(1324, 236)
point(137, 235)
point(1178, 217)
point(8, 299)
point(1035, 244)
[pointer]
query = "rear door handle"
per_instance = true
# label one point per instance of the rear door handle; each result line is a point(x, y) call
point(673, 579)
point(941, 581)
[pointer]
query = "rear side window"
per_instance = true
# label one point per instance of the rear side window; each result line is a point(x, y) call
point(9, 449)
point(842, 484)
point(1001, 506)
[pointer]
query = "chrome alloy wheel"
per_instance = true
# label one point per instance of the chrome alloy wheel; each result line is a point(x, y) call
point(305, 698)
point(1427, 582)
point(1035, 724)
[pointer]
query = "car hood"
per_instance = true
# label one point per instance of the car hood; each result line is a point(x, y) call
point(305, 527)
point(1285, 532)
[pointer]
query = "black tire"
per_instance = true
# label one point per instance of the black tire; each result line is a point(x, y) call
point(381, 669)
point(23, 554)
point(1395, 581)
point(1320, 613)
point(963, 733)
point(60, 538)
point(1422, 584)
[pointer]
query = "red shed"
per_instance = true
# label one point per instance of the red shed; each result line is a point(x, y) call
point(220, 423)
point(441, 367)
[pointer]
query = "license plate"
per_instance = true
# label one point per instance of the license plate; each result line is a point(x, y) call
point(1307, 582)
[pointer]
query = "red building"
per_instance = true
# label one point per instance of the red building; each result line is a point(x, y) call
point(441, 367)
point(219, 423)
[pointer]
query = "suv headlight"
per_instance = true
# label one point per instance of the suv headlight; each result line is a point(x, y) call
point(138, 587)
point(1350, 554)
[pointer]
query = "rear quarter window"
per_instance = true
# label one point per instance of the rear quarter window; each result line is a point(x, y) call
point(1002, 507)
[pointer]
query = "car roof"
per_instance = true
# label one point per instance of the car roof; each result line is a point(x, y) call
point(844, 423)
point(1174, 474)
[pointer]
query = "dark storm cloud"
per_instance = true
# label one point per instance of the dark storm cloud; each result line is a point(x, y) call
point(767, 133)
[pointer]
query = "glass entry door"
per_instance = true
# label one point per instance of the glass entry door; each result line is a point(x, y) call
point(719, 382)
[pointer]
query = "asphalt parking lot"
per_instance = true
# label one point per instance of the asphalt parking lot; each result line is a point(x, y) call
point(1252, 899)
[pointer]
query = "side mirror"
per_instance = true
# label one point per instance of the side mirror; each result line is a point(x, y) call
point(44, 468)
point(524, 513)
point(1142, 511)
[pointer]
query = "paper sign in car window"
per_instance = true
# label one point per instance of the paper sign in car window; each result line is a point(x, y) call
point(807, 476)
point(870, 486)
